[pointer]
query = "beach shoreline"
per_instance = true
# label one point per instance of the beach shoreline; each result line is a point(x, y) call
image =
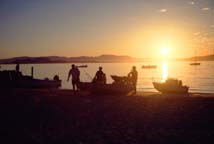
point(59, 116)
point(69, 92)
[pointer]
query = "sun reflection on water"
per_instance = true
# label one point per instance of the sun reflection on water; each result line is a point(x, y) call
point(164, 70)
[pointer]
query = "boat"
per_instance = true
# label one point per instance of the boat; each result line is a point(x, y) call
point(195, 63)
point(149, 66)
point(82, 66)
point(120, 85)
point(172, 86)
point(14, 79)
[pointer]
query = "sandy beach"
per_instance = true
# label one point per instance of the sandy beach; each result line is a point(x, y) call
point(59, 116)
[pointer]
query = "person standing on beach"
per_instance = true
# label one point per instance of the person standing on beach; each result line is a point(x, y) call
point(75, 73)
point(133, 75)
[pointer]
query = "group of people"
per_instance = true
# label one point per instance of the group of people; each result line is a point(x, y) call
point(99, 78)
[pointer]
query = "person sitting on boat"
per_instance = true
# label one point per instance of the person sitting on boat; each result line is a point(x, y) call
point(17, 71)
point(17, 67)
point(100, 77)
point(75, 73)
point(133, 75)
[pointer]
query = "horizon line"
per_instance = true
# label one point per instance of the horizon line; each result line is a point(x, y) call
point(101, 55)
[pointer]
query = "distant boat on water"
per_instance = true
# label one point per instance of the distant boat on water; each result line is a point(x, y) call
point(172, 86)
point(82, 66)
point(149, 66)
point(195, 64)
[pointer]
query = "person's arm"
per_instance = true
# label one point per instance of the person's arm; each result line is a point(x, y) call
point(129, 74)
point(69, 74)
point(95, 77)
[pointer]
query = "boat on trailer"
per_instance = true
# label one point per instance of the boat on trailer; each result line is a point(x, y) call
point(172, 86)
point(14, 79)
point(120, 85)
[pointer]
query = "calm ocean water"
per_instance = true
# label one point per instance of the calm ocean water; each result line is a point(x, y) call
point(198, 78)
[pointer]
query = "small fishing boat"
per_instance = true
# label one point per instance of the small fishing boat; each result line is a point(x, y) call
point(149, 66)
point(171, 86)
point(120, 85)
point(82, 66)
point(195, 63)
point(14, 79)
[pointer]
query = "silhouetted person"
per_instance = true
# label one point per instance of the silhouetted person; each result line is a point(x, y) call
point(100, 77)
point(75, 73)
point(17, 67)
point(133, 75)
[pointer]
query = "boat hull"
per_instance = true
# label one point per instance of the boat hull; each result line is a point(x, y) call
point(31, 84)
point(164, 88)
point(12, 79)
point(103, 89)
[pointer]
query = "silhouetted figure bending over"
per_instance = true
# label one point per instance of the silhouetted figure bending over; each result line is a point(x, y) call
point(100, 77)
point(75, 73)
point(133, 75)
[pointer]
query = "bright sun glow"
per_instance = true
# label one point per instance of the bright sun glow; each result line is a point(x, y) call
point(165, 51)
point(164, 70)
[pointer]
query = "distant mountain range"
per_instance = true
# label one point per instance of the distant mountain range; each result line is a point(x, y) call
point(200, 58)
point(88, 59)
point(81, 59)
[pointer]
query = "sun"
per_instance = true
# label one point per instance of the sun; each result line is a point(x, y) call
point(165, 52)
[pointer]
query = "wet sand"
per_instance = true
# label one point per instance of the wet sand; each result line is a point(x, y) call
point(59, 116)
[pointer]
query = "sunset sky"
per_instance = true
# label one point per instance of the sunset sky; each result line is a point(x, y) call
point(138, 28)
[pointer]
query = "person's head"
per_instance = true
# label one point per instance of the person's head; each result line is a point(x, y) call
point(100, 68)
point(72, 66)
point(134, 68)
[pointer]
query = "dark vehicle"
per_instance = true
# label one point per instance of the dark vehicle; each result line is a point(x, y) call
point(120, 85)
point(173, 86)
point(14, 79)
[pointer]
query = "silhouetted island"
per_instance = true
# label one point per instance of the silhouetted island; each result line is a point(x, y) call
point(81, 59)
point(90, 59)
